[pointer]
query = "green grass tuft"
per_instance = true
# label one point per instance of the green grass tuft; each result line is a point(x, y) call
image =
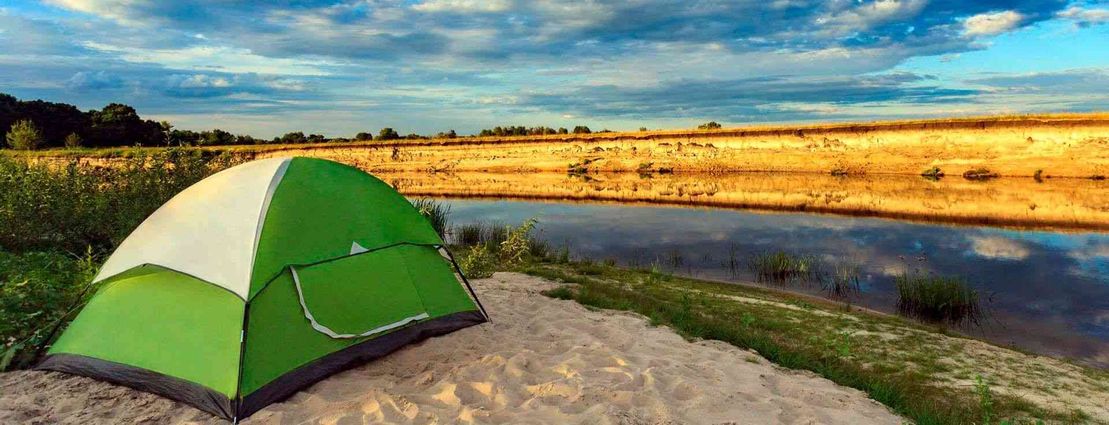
point(940, 299)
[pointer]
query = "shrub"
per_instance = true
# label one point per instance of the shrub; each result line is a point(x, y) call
point(73, 207)
point(711, 125)
point(581, 129)
point(38, 292)
point(73, 140)
point(517, 244)
point(24, 136)
point(980, 174)
point(478, 262)
point(934, 173)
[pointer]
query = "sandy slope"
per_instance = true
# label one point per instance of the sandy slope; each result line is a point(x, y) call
point(540, 361)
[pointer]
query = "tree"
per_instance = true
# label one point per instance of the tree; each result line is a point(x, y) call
point(711, 125)
point(182, 138)
point(642, 128)
point(316, 138)
point(387, 133)
point(73, 140)
point(581, 129)
point(563, 130)
point(294, 137)
point(216, 137)
point(363, 136)
point(24, 136)
point(118, 124)
point(246, 139)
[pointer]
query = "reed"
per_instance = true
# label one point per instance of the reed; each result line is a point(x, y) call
point(938, 299)
point(480, 233)
point(436, 213)
point(841, 281)
point(782, 268)
point(468, 234)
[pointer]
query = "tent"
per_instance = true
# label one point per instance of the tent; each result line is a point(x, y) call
point(261, 280)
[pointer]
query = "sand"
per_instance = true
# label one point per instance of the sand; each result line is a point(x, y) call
point(541, 360)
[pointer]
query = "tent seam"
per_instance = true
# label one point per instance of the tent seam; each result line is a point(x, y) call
point(275, 181)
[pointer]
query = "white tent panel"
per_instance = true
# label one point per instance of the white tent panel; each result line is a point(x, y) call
point(209, 230)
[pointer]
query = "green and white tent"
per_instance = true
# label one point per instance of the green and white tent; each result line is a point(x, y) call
point(261, 280)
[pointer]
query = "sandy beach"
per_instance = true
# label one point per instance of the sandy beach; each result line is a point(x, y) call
point(541, 360)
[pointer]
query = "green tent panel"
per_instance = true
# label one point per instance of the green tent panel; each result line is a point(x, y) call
point(261, 280)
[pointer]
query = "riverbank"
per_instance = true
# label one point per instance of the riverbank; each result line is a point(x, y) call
point(541, 360)
point(925, 373)
point(1059, 146)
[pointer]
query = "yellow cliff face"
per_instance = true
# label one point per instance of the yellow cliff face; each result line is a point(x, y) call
point(789, 168)
point(1059, 148)
point(1017, 202)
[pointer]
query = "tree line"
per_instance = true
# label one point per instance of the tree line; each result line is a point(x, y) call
point(38, 124)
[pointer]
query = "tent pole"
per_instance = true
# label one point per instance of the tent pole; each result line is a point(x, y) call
point(467, 282)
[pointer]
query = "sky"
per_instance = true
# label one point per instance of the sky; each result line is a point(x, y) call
point(424, 66)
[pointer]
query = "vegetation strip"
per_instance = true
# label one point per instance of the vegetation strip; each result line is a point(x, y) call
point(917, 371)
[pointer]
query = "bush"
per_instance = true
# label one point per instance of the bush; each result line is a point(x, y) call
point(478, 262)
point(73, 140)
point(980, 174)
point(711, 125)
point(73, 207)
point(934, 173)
point(517, 246)
point(38, 292)
point(24, 136)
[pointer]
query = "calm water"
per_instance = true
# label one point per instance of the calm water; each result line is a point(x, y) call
point(1045, 292)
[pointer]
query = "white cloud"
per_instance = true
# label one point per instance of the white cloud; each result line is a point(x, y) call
point(1081, 16)
point(868, 15)
point(463, 6)
point(214, 58)
point(998, 247)
point(986, 24)
point(119, 10)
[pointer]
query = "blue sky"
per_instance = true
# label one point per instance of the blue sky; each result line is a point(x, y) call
point(339, 67)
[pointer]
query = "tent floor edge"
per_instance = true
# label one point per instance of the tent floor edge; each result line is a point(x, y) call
point(145, 380)
point(355, 355)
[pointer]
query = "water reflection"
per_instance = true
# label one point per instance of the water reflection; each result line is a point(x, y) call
point(1045, 292)
point(1014, 202)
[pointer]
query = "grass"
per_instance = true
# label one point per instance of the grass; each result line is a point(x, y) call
point(893, 361)
point(841, 281)
point(939, 299)
point(783, 268)
point(436, 213)
point(480, 233)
